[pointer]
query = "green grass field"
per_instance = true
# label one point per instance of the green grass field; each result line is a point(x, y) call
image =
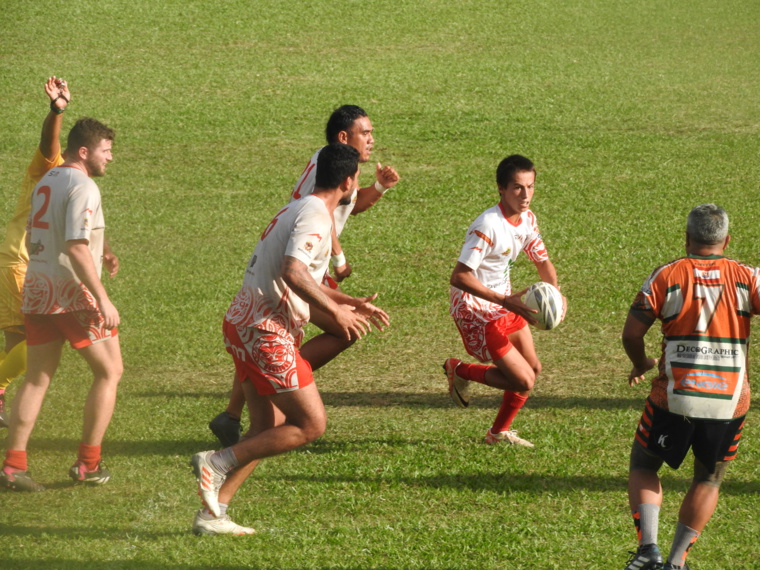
point(633, 112)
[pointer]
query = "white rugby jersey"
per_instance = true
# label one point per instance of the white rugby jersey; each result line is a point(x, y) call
point(490, 250)
point(300, 230)
point(65, 206)
point(305, 186)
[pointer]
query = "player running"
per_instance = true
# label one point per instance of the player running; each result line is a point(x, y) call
point(263, 332)
point(349, 125)
point(491, 319)
point(701, 392)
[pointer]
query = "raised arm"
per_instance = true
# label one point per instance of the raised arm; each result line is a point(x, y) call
point(58, 91)
point(386, 178)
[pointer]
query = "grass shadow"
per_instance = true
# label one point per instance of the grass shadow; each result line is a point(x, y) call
point(64, 564)
point(416, 400)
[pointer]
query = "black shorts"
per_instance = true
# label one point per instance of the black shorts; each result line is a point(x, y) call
point(669, 436)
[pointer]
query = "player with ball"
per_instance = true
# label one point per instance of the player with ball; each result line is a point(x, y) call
point(491, 319)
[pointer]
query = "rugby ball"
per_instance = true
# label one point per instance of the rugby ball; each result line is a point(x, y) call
point(547, 300)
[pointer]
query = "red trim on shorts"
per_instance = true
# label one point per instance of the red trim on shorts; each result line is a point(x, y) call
point(247, 369)
point(80, 328)
point(497, 334)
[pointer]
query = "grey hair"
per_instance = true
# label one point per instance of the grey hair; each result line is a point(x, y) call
point(707, 224)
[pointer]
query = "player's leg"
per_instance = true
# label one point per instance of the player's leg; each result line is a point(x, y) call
point(279, 373)
point(263, 415)
point(696, 510)
point(12, 338)
point(226, 426)
point(700, 501)
point(513, 401)
point(43, 362)
point(13, 356)
point(104, 359)
point(714, 446)
point(490, 342)
point(321, 349)
point(305, 421)
point(12, 365)
point(644, 500)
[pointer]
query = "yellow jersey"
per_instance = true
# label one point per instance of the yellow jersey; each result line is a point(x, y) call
point(13, 249)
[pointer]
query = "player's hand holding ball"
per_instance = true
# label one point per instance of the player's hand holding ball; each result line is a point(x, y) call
point(549, 303)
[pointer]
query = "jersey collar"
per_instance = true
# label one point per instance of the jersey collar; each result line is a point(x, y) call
point(711, 256)
point(510, 222)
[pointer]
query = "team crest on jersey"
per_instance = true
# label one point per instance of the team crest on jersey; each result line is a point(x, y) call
point(308, 246)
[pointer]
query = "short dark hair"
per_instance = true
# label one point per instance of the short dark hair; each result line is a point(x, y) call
point(505, 173)
point(707, 224)
point(341, 120)
point(335, 163)
point(88, 133)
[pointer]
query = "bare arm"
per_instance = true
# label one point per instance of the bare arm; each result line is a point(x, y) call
point(81, 261)
point(58, 91)
point(464, 278)
point(548, 274)
point(636, 326)
point(387, 177)
point(344, 270)
point(296, 276)
point(362, 305)
point(110, 260)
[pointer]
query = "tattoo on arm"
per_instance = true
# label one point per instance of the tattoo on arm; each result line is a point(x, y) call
point(297, 277)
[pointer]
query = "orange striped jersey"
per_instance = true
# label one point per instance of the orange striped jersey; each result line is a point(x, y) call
point(705, 305)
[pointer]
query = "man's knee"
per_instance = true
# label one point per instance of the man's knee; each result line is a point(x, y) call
point(525, 381)
point(111, 374)
point(314, 427)
point(702, 475)
point(642, 459)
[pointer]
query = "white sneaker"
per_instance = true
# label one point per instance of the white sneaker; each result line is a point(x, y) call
point(459, 388)
point(219, 525)
point(209, 480)
point(509, 436)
